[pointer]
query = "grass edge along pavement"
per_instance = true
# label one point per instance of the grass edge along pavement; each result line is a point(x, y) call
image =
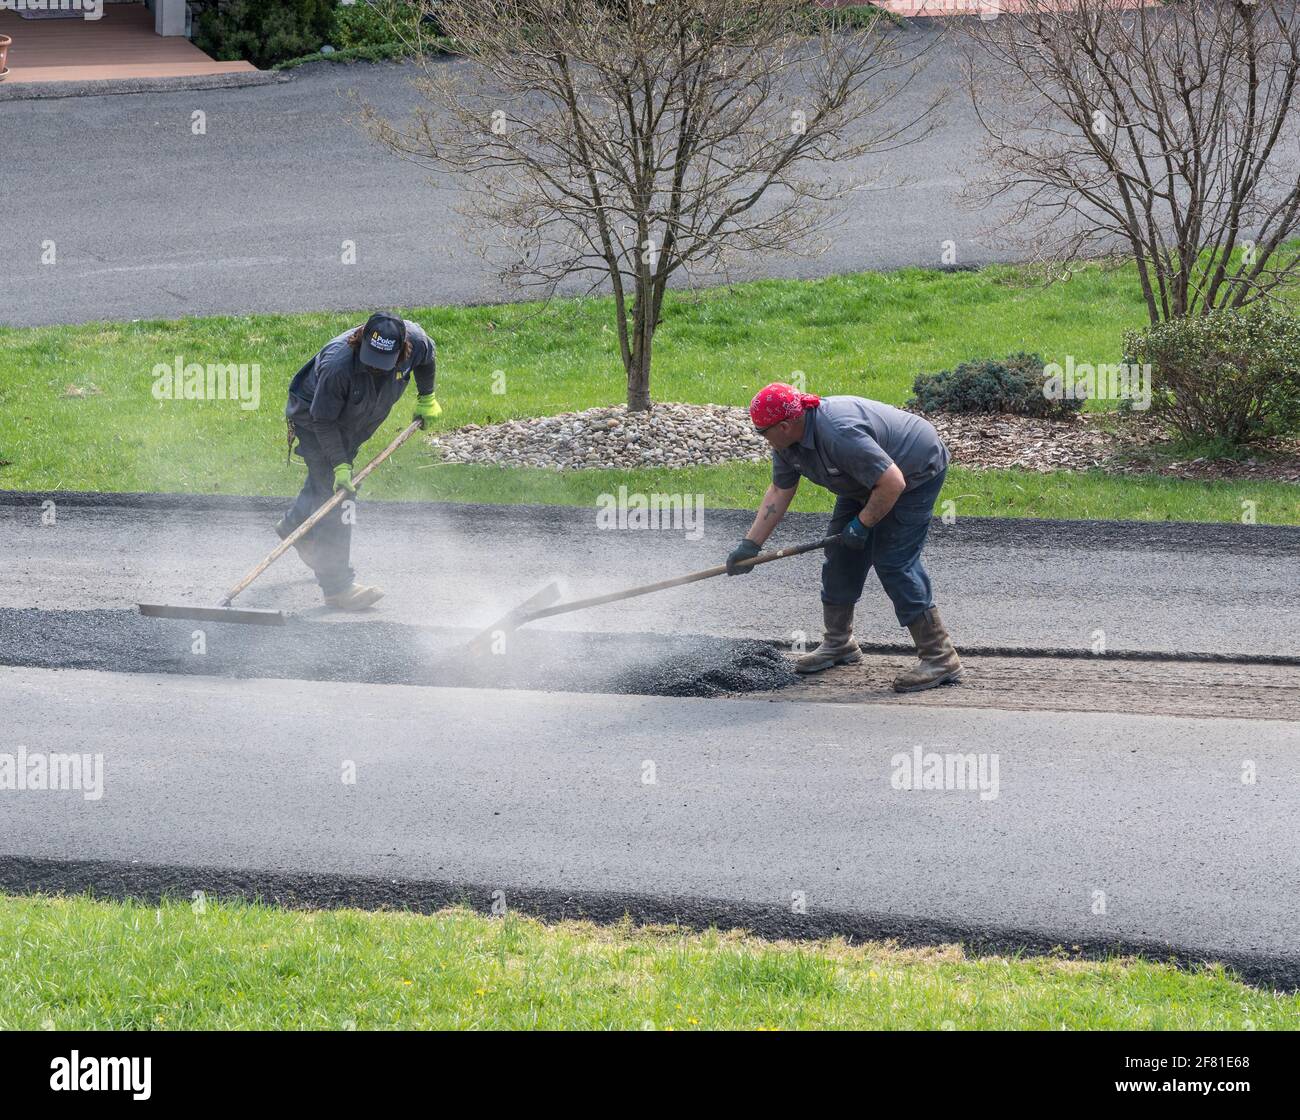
point(84, 417)
point(209, 964)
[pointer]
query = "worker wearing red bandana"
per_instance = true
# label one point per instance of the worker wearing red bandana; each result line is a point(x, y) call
point(886, 468)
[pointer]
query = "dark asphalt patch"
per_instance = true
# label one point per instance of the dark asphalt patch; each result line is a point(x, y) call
point(390, 653)
point(117, 881)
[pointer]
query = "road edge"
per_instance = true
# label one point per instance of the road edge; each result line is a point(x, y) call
point(116, 881)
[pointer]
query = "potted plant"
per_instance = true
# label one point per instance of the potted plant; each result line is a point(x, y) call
point(5, 40)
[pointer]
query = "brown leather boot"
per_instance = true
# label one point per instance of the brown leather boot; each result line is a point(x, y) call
point(837, 647)
point(939, 662)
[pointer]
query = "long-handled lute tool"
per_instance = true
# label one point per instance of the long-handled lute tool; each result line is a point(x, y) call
point(523, 614)
point(223, 611)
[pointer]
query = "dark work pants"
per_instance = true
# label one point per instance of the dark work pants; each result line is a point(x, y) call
point(893, 549)
point(331, 540)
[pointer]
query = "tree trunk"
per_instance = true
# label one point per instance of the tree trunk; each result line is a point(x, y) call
point(638, 370)
point(638, 381)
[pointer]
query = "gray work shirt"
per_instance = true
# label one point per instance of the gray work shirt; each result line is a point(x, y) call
point(849, 442)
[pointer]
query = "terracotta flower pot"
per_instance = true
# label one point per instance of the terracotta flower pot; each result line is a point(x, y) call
point(5, 40)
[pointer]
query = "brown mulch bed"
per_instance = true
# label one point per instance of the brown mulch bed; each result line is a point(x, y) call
point(1118, 446)
point(1273, 460)
point(1002, 440)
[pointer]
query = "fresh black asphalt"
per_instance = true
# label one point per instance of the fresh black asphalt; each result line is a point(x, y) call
point(1100, 829)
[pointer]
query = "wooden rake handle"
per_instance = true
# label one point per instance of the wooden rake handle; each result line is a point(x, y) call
point(307, 526)
point(677, 581)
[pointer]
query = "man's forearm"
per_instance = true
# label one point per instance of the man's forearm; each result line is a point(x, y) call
point(775, 503)
point(331, 442)
point(883, 497)
point(425, 377)
point(878, 505)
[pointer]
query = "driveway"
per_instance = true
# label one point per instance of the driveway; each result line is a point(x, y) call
point(152, 221)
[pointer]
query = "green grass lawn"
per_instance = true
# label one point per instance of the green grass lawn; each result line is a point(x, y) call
point(868, 334)
point(77, 964)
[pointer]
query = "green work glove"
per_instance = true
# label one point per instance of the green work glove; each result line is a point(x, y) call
point(426, 409)
point(343, 479)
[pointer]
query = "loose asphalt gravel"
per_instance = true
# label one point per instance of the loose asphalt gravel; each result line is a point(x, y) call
point(392, 653)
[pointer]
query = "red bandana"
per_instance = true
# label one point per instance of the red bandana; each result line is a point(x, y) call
point(778, 402)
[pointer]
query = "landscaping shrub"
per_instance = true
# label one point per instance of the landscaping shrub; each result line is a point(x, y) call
point(271, 35)
point(1227, 375)
point(263, 33)
point(1012, 384)
point(376, 23)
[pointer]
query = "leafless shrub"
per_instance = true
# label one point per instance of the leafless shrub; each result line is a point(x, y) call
point(1167, 131)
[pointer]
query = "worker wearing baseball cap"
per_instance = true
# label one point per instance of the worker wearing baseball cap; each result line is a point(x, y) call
point(337, 401)
point(886, 468)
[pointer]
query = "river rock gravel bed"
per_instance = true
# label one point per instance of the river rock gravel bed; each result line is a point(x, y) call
point(668, 435)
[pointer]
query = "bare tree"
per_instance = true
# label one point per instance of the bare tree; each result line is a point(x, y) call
point(629, 141)
point(1167, 130)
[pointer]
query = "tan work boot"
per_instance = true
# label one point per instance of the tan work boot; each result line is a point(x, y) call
point(356, 598)
point(939, 662)
point(837, 647)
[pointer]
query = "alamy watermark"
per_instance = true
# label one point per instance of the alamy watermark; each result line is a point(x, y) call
point(89, 9)
point(37, 771)
point(930, 770)
point(682, 513)
point(84, 1073)
point(1081, 381)
point(217, 381)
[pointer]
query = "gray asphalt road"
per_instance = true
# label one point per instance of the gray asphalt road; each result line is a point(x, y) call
point(1102, 829)
point(1218, 589)
point(150, 220)
point(233, 783)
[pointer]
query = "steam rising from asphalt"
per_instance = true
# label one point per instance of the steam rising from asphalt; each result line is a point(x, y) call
point(450, 572)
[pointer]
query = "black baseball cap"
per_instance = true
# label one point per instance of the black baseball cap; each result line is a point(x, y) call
point(381, 340)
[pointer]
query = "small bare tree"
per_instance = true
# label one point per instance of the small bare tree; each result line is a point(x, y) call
point(628, 141)
point(1167, 130)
